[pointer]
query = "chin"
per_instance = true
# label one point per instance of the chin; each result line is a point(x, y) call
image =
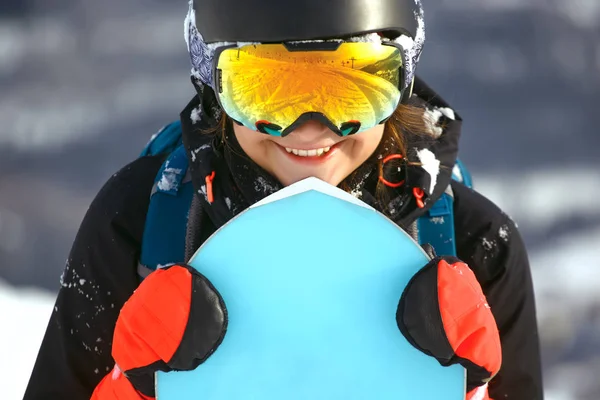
point(331, 179)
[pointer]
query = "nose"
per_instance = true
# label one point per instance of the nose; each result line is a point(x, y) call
point(311, 129)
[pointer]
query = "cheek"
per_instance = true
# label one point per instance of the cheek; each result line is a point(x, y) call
point(255, 145)
point(248, 140)
point(366, 143)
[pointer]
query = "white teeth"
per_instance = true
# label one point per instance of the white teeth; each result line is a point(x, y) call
point(308, 153)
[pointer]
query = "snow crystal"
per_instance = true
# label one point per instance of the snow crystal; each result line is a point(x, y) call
point(487, 244)
point(195, 115)
point(228, 202)
point(262, 186)
point(503, 233)
point(437, 220)
point(431, 165)
point(202, 191)
point(198, 150)
point(356, 192)
point(82, 281)
point(395, 203)
point(96, 371)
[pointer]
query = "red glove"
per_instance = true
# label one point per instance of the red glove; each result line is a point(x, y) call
point(174, 321)
point(443, 313)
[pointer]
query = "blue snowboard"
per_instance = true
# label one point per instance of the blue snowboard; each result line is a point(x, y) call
point(311, 278)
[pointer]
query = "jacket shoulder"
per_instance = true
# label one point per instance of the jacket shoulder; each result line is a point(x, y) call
point(123, 200)
point(486, 237)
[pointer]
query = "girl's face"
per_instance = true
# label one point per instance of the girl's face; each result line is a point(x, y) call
point(311, 150)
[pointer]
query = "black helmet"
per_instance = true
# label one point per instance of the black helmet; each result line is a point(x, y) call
point(262, 21)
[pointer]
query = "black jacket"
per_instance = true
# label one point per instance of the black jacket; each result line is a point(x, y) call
point(101, 271)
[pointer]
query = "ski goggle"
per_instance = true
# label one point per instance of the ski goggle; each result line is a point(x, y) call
point(273, 88)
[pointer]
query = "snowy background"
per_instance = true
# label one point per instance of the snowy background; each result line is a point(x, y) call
point(83, 84)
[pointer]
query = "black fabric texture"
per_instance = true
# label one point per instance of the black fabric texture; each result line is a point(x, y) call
point(418, 315)
point(100, 275)
point(206, 326)
point(421, 323)
point(142, 378)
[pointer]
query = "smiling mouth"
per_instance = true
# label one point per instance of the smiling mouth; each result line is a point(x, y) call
point(309, 153)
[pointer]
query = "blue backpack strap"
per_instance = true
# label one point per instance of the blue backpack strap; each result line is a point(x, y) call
point(165, 141)
point(163, 240)
point(436, 227)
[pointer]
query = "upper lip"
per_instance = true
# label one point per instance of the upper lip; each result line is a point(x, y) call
point(307, 147)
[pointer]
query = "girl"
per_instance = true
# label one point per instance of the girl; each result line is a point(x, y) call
point(307, 88)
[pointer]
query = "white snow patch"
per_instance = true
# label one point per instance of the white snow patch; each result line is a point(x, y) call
point(448, 112)
point(503, 233)
point(202, 191)
point(356, 192)
point(195, 115)
point(437, 220)
point(168, 180)
point(431, 118)
point(487, 244)
point(262, 186)
point(25, 314)
point(198, 150)
point(431, 165)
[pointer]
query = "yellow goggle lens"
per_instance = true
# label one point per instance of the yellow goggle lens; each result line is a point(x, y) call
point(354, 85)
